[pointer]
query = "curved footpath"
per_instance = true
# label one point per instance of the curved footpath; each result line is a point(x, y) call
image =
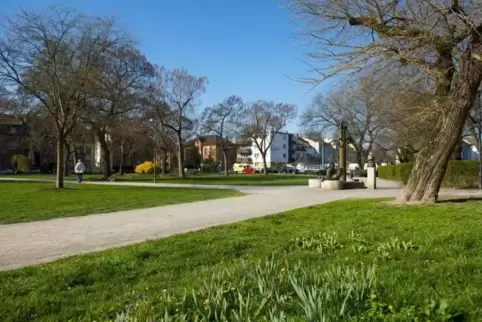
point(43, 241)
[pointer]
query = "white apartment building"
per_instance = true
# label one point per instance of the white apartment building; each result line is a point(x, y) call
point(325, 149)
point(278, 152)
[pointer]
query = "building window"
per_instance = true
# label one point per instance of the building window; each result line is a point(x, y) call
point(12, 130)
point(284, 155)
point(12, 145)
point(256, 155)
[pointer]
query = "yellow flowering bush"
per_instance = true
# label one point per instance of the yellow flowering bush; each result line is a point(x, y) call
point(20, 161)
point(147, 167)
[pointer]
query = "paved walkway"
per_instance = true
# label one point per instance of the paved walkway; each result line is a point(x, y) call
point(42, 241)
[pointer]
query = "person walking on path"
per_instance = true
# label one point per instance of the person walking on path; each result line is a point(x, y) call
point(79, 170)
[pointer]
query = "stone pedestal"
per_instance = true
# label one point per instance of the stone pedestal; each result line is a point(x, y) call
point(332, 185)
point(371, 178)
point(314, 183)
point(353, 185)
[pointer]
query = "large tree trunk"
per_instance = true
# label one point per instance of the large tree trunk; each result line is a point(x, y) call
point(105, 156)
point(431, 163)
point(265, 165)
point(59, 182)
point(163, 162)
point(122, 158)
point(180, 159)
point(225, 159)
point(121, 162)
point(67, 159)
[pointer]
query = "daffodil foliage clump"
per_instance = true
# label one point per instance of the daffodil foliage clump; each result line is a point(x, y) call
point(276, 291)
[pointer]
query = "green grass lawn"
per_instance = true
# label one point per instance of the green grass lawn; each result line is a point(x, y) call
point(21, 201)
point(207, 179)
point(345, 261)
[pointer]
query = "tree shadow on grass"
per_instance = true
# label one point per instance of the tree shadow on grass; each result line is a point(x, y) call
point(443, 200)
point(59, 190)
point(455, 199)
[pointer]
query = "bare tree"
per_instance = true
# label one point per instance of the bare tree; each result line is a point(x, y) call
point(164, 142)
point(406, 115)
point(121, 90)
point(357, 105)
point(7, 105)
point(129, 136)
point(471, 129)
point(441, 39)
point(53, 56)
point(175, 101)
point(75, 143)
point(261, 121)
point(222, 120)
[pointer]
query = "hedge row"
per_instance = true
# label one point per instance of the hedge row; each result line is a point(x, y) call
point(459, 174)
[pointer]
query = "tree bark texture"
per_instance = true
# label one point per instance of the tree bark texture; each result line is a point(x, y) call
point(105, 156)
point(163, 162)
point(225, 159)
point(431, 162)
point(121, 161)
point(180, 159)
point(265, 166)
point(67, 159)
point(59, 181)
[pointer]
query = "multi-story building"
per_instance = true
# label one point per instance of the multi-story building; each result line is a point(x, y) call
point(244, 151)
point(325, 150)
point(210, 147)
point(14, 139)
point(292, 148)
point(278, 151)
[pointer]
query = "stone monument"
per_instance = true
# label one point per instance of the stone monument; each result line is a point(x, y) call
point(337, 180)
point(331, 171)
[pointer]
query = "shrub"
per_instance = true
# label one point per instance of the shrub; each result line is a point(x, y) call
point(459, 174)
point(20, 162)
point(147, 168)
point(210, 166)
point(315, 172)
point(462, 175)
point(192, 172)
point(403, 171)
point(192, 158)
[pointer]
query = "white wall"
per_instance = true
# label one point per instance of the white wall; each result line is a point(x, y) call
point(278, 152)
point(325, 148)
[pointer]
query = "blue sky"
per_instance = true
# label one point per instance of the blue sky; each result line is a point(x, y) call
point(243, 47)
